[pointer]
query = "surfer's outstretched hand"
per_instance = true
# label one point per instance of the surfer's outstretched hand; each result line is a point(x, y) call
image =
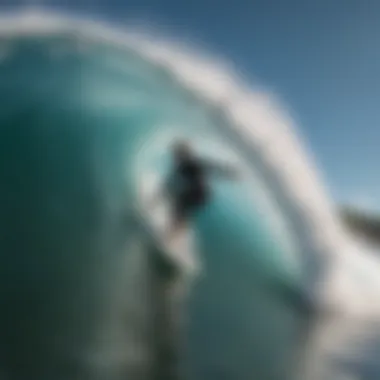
point(224, 171)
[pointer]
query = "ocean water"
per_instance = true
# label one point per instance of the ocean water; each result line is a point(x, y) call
point(79, 125)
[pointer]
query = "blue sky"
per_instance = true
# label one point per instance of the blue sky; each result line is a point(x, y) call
point(321, 57)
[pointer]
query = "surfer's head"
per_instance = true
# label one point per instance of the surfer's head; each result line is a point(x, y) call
point(181, 149)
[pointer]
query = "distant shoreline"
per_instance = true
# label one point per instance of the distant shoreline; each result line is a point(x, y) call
point(364, 223)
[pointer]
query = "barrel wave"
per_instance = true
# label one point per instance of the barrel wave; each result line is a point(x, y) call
point(86, 113)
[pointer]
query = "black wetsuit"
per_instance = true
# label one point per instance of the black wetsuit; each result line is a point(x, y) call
point(190, 190)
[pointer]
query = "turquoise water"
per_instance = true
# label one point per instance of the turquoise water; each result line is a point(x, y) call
point(77, 129)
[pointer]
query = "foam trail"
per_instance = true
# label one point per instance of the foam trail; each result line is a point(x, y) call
point(121, 345)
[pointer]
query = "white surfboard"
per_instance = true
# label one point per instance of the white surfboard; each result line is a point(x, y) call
point(157, 218)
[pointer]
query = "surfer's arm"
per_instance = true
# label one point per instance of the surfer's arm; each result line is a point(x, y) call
point(161, 192)
point(222, 170)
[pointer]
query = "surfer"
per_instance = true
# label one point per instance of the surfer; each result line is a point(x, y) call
point(187, 184)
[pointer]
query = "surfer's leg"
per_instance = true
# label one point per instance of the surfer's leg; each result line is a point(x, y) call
point(185, 206)
point(178, 225)
point(181, 208)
